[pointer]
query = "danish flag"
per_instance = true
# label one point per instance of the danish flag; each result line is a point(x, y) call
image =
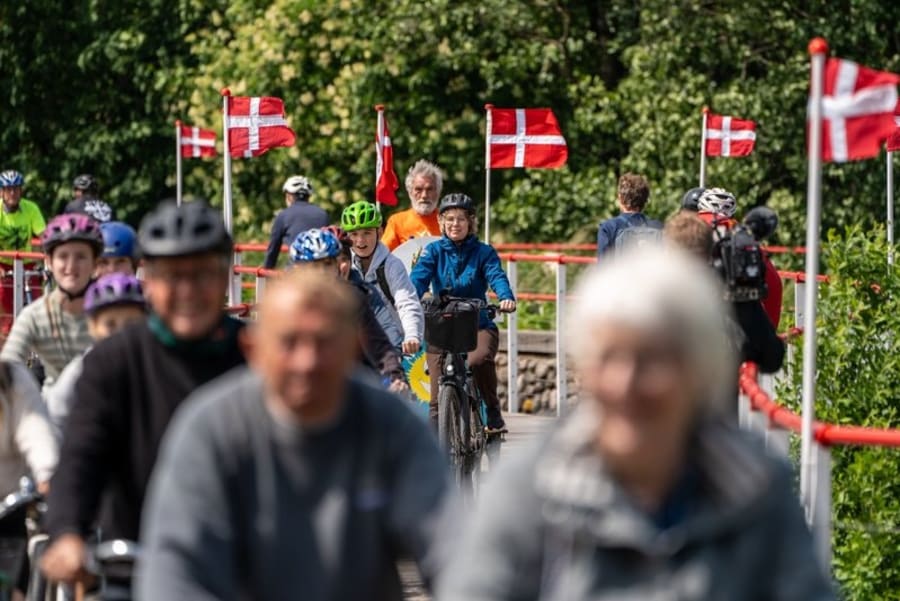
point(728, 136)
point(256, 124)
point(893, 142)
point(858, 107)
point(197, 142)
point(529, 138)
point(386, 183)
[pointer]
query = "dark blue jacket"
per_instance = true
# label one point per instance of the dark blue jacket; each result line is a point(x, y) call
point(609, 229)
point(465, 269)
point(298, 217)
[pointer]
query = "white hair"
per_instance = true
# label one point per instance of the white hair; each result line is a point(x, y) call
point(667, 292)
point(425, 169)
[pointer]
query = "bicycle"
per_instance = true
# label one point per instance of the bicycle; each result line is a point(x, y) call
point(451, 324)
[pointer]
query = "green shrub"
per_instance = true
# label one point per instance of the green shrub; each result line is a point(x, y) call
point(858, 382)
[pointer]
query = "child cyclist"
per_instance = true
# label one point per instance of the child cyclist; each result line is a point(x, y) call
point(403, 320)
point(119, 249)
point(322, 249)
point(54, 327)
point(111, 303)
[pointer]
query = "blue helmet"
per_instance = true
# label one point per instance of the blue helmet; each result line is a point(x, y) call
point(118, 239)
point(11, 178)
point(315, 245)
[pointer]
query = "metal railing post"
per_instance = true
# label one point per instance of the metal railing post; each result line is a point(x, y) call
point(260, 288)
point(820, 511)
point(18, 286)
point(799, 299)
point(561, 372)
point(234, 290)
point(777, 439)
point(743, 410)
point(512, 343)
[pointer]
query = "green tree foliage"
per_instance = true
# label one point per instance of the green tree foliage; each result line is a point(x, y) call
point(857, 383)
point(95, 85)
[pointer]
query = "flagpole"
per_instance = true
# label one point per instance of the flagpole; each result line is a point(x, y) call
point(818, 48)
point(226, 171)
point(379, 150)
point(487, 173)
point(890, 207)
point(705, 114)
point(178, 186)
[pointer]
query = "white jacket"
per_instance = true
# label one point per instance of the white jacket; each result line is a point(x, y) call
point(407, 309)
point(28, 444)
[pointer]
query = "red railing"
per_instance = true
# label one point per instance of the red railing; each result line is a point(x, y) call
point(559, 247)
point(823, 433)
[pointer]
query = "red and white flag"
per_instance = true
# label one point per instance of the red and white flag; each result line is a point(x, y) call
point(256, 124)
point(728, 136)
point(857, 110)
point(386, 183)
point(893, 141)
point(529, 138)
point(197, 142)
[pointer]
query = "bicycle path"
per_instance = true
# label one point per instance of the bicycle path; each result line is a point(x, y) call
point(523, 429)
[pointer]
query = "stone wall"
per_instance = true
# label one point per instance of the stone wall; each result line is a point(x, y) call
point(536, 381)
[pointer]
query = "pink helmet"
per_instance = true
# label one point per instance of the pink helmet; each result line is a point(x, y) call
point(70, 228)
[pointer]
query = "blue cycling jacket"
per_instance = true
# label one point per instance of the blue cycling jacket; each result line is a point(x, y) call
point(465, 269)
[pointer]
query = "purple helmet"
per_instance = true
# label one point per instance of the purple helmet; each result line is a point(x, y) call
point(114, 289)
point(69, 228)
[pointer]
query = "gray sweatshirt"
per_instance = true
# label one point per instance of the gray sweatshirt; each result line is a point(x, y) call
point(244, 506)
point(554, 524)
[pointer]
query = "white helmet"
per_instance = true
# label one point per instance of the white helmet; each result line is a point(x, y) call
point(717, 200)
point(297, 184)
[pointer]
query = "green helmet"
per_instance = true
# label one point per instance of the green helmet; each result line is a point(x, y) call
point(360, 215)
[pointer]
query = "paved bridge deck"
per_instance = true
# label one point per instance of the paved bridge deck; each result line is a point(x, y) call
point(523, 429)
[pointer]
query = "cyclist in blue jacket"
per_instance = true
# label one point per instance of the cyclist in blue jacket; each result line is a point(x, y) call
point(459, 265)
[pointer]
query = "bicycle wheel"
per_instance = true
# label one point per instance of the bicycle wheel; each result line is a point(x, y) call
point(448, 425)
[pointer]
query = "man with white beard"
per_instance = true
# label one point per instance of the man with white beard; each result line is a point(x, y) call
point(423, 184)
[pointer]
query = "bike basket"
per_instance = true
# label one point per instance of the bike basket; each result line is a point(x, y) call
point(452, 327)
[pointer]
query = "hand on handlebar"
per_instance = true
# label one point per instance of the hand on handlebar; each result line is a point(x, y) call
point(398, 386)
point(507, 306)
point(66, 559)
point(410, 347)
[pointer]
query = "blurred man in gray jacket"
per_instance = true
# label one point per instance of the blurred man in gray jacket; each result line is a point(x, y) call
point(290, 479)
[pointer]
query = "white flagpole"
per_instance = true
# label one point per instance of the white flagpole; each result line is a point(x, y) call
point(705, 113)
point(379, 148)
point(487, 174)
point(890, 207)
point(818, 48)
point(226, 171)
point(178, 185)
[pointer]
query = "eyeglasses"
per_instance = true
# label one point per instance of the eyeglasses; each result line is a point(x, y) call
point(423, 189)
point(454, 220)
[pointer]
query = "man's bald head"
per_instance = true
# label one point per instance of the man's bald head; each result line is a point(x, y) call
point(307, 287)
point(305, 342)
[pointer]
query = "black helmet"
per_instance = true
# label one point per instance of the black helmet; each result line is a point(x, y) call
point(456, 201)
point(189, 229)
point(691, 198)
point(85, 182)
point(762, 221)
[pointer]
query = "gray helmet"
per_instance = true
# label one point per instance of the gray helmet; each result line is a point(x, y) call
point(86, 183)
point(762, 221)
point(691, 198)
point(456, 201)
point(189, 229)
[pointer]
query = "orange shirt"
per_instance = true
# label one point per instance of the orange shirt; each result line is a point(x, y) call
point(408, 224)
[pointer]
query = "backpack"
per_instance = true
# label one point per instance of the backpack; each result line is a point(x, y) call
point(637, 235)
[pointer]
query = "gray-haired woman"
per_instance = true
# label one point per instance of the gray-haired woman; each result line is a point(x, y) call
point(642, 492)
